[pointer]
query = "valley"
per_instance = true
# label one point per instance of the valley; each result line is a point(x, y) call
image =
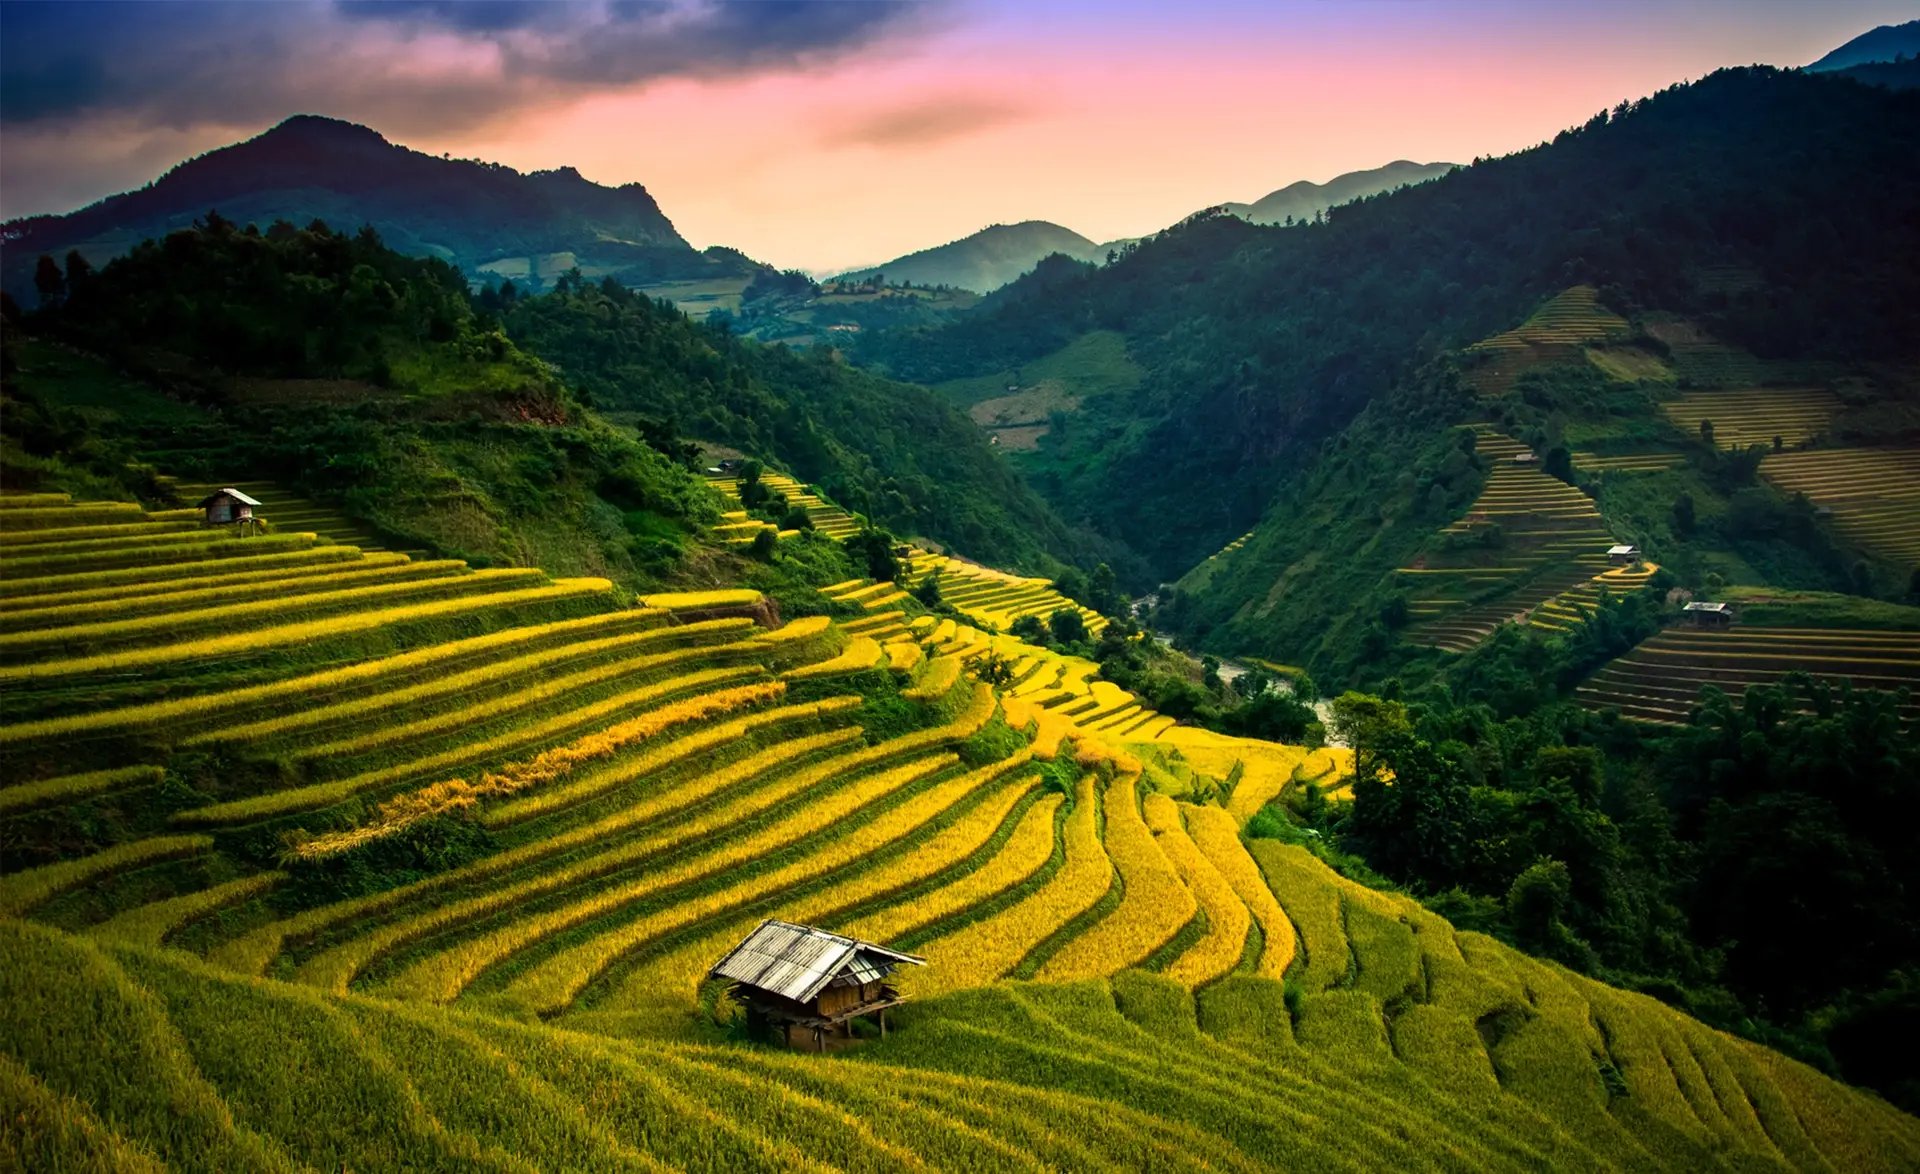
point(1419, 670)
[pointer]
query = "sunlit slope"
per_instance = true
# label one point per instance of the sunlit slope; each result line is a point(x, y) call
point(365, 886)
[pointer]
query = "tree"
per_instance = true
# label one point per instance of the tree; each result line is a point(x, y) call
point(50, 282)
point(1103, 591)
point(1364, 722)
point(1030, 629)
point(752, 492)
point(1067, 625)
point(1559, 463)
point(1706, 432)
point(1683, 515)
point(79, 273)
point(875, 548)
point(928, 591)
point(797, 518)
point(763, 544)
point(994, 669)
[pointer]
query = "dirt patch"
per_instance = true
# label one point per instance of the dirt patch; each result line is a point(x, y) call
point(1019, 438)
point(1028, 405)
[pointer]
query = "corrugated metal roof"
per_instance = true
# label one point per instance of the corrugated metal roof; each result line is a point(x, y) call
point(797, 961)
point(235, 494)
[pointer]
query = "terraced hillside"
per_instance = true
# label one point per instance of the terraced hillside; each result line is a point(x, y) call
point(1872, 495)
point(1526, 540)
point(1746, 416)
point(981, 593)
point(1555, 333)
point(192, 978)
point(992, 597)
point(1660, 681)
point(284, 510)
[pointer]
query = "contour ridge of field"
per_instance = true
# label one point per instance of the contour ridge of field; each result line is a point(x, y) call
point(183, 985)
point(1872, 495)
point(1529, 543)
point(1660, 680)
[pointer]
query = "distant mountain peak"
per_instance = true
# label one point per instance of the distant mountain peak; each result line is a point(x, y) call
point(1885, 43)
point(479, 216)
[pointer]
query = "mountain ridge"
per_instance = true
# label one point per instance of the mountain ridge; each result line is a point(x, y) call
point(1885, 43)
point(307, 167)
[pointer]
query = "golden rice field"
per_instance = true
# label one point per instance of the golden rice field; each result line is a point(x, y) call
point(1743, 417)
point(191, 976)
point(1552, 543)
point(1554, 333)
point(1870, 496)
point(1660, 681)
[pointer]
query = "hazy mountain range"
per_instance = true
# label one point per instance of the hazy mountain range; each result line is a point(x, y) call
point(476, 215)
point(1000, 253)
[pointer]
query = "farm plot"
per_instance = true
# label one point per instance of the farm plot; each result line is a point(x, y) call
point(1870, 495)
point(1527, 539)
point(1777, 417)
point(1554, 333)
point(640, 789)
point(1660, 681)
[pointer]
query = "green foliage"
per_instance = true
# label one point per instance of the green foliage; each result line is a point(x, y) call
point(996, 742)
point(1258, 344)
point(335, 367)
point(898, 454)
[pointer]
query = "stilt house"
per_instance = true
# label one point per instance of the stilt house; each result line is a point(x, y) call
point(1709, 615)
point(802, 980)
point(228, 506)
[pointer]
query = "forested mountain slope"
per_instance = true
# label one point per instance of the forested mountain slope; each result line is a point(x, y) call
point(465, 212)
point(374, 382)
point(1260, 344)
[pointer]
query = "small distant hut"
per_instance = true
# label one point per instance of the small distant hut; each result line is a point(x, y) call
point(1623, 554)
point(1526, 458)
point(228, 506)
point(1709, 615)
point(800, 979)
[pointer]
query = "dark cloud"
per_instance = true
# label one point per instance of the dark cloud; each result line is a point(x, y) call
point(931, 120)
point(467, 16)
point(419, 65)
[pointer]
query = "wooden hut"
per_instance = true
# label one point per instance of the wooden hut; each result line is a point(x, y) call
point(1709, 615)
point(800, 979)
point(1622, 554)
point(228, 506)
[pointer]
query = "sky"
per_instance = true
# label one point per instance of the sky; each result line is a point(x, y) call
point(830, 134)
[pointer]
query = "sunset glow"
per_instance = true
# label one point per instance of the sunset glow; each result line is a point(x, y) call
point(853, 142)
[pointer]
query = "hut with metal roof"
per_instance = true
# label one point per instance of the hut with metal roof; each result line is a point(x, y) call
point(228, 506)
point(803, 980)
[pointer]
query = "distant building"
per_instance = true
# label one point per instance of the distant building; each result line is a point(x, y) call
point(1709, 615)
point(228, 506)
point(1526, 458)
point(1623, 555)
point(800, 979)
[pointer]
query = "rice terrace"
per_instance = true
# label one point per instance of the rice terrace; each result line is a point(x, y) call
point(1419, 670)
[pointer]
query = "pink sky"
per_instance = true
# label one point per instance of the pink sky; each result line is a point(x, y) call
point(1117, 128)
point(1114, 119)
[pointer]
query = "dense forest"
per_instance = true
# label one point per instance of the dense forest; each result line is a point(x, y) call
point(889, 450)
point(333, 365)
point(1261, 343)
point(506, 428)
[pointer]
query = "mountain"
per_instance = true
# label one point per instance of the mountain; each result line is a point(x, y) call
point(986, 260)
point(1886, 43)
point(1301, 200)
point(478, 216)
point(1255, 346)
